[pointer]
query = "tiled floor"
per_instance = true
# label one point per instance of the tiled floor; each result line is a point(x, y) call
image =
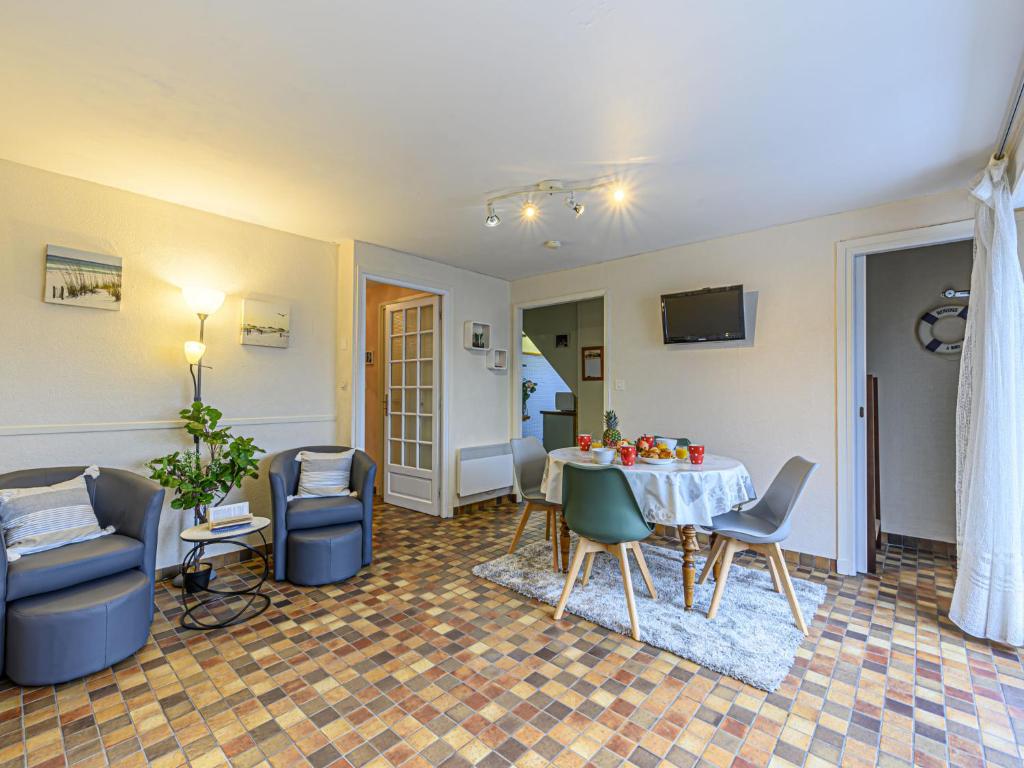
point(416, 662)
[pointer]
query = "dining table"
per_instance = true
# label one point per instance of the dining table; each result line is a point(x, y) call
point(677, 494)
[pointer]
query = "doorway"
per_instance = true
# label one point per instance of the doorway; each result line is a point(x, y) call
point(560, 361)
point(916, 306)
point(402, 402)
point(851, 378)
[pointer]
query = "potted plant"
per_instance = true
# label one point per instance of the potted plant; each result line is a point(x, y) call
point(198, 482)
point(529, 387)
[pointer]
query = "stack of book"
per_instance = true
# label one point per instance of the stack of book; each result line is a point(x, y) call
point(229, 517)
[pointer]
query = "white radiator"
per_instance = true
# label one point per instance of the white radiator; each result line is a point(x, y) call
point(485, 471)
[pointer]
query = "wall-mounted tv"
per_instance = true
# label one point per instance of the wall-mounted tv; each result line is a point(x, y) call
point(710, 314)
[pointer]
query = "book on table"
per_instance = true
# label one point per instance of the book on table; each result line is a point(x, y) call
point(229, 517)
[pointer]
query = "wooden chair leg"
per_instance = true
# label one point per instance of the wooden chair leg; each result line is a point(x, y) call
point(547, 524)
point(709, 564)
point(588, 567)
point(787, 586)
point(582, 547)
point(773, 569)
point(627, 584)
point(522, 526)
point(730, 549)
point(638, 553)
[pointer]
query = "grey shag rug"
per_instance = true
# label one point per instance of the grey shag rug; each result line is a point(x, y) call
point(753, 637)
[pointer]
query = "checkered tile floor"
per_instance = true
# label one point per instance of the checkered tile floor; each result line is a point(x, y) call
point(415, 662)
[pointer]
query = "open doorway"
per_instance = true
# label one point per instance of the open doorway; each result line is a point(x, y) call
point(916, 307)
point(402, 384)
point(562, 370)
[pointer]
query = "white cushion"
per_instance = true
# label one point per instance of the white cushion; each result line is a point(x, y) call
point(324, 474)
point(37, 519)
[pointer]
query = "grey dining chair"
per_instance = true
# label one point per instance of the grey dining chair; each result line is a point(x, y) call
point(760, 528)
point(529, 459)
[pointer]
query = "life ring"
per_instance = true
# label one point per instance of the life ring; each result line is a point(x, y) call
point(925, 329)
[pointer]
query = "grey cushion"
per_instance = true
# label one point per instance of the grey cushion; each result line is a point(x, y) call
point(57, 637)
point(327, 510)
point(72, 564)
point(325, 555)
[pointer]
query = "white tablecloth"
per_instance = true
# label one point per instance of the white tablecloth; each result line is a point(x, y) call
point(679, 493)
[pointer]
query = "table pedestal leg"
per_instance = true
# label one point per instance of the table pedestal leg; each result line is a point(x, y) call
point(563, 541)
point(688, 541)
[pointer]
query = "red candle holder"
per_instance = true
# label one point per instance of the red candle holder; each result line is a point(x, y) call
point(696, 454)
point(584, 442)
point(628, 455)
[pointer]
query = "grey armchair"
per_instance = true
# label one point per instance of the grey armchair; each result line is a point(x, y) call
point(323, 539)
point(76, 609)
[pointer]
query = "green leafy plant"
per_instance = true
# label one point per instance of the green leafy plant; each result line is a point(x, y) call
point(199, 482)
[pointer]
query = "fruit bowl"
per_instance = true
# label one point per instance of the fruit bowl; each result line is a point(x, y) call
point(647, 460)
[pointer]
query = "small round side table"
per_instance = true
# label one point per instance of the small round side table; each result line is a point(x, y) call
point(200, 536)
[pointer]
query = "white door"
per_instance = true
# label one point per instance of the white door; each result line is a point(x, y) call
point(411, 451)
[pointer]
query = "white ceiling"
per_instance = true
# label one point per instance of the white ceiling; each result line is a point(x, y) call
point(391, 121)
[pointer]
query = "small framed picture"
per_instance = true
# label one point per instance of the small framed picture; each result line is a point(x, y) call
point(369, 357)
point(561, 340)
point(593, 363)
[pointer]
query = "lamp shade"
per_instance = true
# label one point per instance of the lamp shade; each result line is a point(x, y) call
point(203, 301)
point(194, 351)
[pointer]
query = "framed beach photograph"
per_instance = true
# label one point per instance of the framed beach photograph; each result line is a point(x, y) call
point(82, 279)
point(266, 323)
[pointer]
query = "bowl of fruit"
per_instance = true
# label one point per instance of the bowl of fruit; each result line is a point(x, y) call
point(654, 453)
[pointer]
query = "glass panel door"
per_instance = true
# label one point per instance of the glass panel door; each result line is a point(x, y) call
point(410, 473)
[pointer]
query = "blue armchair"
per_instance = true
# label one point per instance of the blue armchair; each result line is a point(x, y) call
point(71, 611)
point(323, 539)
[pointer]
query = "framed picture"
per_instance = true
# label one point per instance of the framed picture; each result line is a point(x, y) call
point(593, 363)
point(266, 323)
point(82, 279)
point(561, 340)
point(477, 335)
point(369, 357)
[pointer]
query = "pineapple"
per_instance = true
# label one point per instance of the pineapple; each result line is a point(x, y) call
point(611, 435)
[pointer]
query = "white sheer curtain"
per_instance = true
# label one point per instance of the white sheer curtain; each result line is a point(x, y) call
point(988, 600)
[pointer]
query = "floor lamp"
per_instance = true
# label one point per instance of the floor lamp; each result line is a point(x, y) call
point(204, 302)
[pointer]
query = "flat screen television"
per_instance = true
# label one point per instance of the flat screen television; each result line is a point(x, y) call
point(710, 314)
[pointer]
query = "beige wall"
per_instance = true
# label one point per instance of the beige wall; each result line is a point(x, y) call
point(377, 296)
point(917, 389)
point(590, 332)
point(761, 403)
point(89, 386)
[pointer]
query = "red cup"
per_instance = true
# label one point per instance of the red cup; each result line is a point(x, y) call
point(696, 454)
point(584, 442)
point(628, 455)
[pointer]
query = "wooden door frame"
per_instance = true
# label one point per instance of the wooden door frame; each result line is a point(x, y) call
point(851, 377)
point(446, 341)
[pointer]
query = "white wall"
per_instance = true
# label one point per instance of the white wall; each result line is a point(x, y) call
point(478, 404)
point(90, 386)
point(761, 403)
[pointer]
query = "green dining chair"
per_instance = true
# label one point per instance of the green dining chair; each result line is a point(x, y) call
point(600, 508)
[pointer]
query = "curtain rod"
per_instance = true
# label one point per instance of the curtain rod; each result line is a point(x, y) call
point(1009, 124)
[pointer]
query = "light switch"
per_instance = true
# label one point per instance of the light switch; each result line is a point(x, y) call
point(620, 385)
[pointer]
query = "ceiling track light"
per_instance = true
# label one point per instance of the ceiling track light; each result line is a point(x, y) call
point(492, 219)
point(529, 209)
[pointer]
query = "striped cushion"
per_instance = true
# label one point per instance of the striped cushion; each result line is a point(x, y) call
point(324, 474)
point(37, 519)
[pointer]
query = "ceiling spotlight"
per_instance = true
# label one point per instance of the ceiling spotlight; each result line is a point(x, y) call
point(530, 210)
point(492, 219)
point(553, 245)
point(619, 194)
point(577, 208)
